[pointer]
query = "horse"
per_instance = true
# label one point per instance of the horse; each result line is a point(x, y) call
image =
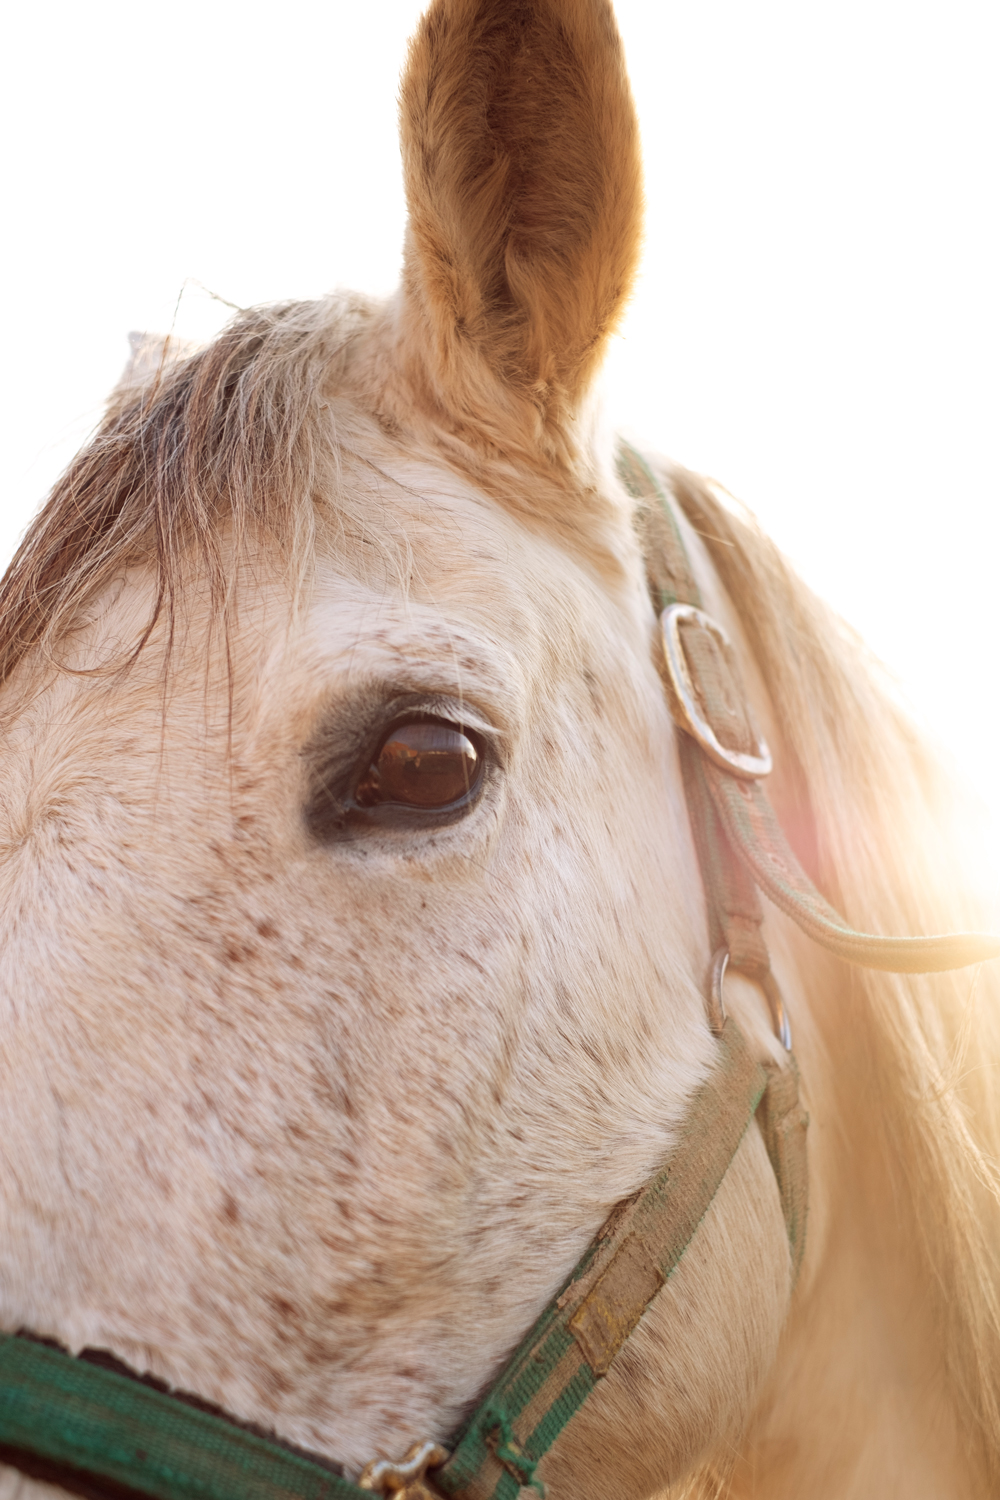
point(355, 934)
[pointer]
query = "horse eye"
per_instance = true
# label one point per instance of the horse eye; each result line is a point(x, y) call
point(423, 764)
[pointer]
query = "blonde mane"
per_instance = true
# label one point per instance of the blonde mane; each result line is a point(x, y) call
point(880, 843)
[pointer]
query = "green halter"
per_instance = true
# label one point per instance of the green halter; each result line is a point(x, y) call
point(100, 1433)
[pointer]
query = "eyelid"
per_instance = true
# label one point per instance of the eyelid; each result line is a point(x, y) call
point(451, 711)
point(460, 713)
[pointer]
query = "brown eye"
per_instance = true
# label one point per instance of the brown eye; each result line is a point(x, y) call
point(421, 764)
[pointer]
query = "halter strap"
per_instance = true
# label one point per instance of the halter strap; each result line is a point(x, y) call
point(574, 1342)
point(98, 1433)
point(754, 830)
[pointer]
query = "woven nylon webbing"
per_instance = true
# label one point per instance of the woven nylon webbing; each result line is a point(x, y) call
point(81, 1420)
point(755, 831)
point(783, 1123)
point(578, 1335)
point(734, 910)
point(668, 567)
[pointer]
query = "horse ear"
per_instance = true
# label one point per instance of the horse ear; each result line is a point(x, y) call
point(523, 179)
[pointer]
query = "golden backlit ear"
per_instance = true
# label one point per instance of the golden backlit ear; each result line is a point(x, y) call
point(521, 160)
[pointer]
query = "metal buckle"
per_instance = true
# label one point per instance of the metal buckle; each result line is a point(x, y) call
point(405, 1479)
point(686, 709)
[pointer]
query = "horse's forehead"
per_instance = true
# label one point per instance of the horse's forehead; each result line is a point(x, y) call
point(357, 631)
point(447, 582)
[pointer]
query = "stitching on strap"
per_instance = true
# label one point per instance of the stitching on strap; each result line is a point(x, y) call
point(514, 1459)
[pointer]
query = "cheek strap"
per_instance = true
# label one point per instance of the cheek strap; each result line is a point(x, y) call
point(575, 1341)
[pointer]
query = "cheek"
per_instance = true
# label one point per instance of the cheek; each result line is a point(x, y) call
point(686, 1383)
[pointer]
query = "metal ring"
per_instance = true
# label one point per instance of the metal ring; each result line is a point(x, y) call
point(776, 1005)
point(715, 1004)
point(688, 713)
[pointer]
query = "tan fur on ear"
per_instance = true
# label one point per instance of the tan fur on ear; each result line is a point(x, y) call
point(521, 159)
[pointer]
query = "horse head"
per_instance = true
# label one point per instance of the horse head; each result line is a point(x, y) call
point(354, 943)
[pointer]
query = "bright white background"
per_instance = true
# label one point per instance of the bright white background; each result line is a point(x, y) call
point(818, 321)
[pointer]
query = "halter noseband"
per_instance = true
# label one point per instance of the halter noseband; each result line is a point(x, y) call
point(101, 1433)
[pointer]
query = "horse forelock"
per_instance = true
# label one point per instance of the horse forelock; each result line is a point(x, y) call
point(241, 446)
point(202, 457)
